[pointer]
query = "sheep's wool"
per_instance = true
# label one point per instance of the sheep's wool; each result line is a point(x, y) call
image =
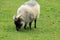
point(28, 11)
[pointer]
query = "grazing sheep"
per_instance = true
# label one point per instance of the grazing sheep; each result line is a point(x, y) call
point(27, 13)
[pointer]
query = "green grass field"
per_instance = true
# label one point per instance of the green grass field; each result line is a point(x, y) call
point(48, 25)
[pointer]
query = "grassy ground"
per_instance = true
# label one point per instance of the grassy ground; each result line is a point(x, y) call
point(48, 25)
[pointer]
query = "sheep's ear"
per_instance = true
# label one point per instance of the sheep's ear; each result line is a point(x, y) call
point(19, 17)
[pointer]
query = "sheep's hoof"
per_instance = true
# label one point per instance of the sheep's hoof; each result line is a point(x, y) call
point(35, 27)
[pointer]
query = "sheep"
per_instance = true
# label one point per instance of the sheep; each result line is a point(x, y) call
point(27, 13)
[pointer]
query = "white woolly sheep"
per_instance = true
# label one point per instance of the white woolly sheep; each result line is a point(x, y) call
point(27, 13)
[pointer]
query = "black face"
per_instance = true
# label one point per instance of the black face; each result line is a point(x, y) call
point(18, 24)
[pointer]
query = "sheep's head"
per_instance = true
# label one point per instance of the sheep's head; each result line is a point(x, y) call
point(18, 22)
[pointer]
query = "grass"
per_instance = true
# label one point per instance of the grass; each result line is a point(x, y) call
point(48, 25)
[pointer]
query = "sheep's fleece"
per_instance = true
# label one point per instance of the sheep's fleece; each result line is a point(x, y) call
point(29, 11)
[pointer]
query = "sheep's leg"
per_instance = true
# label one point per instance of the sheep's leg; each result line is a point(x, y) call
point(25, 26)
point(30, 24)
point(35, 23)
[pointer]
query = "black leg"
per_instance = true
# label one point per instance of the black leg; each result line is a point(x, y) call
point(35, 23)
point(30, 24)
point(25, 26)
